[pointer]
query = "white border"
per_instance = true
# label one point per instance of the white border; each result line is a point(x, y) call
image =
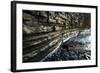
point(38, 65)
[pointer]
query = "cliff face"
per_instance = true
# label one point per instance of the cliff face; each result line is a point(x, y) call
point(44, 31)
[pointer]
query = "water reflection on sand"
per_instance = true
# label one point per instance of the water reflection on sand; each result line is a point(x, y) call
point(76, 48)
